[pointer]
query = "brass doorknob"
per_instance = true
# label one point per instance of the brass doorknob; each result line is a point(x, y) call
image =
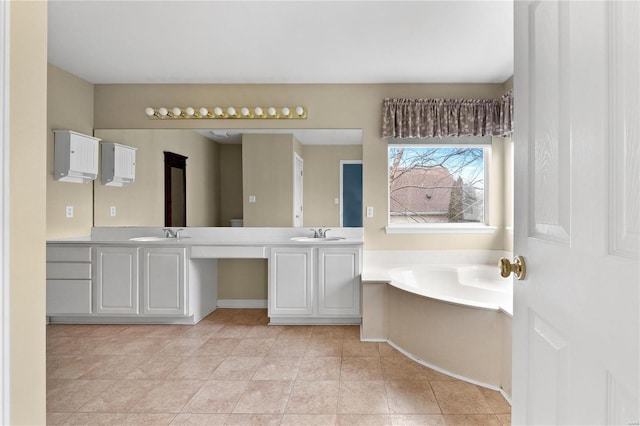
point(518, 267)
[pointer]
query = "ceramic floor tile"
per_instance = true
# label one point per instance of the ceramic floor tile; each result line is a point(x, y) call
point(362, 397)
point(91, 419)
point(324, 347)
point(195, 368)
point(352, 332)
point(234, 331)
point(182, 346)
point(216, 397)
point(352, 347)
point(363, 420)
point(386, 349)
point(154, 368)
point(264, 332)
point(56, 418)
point(237, 368)
point(361, 368)
point(253, 347)
point(169, 330)
point(314, 398)
point(308, 420)
point(505, 419)
point(277, 368)
point(411, 397)
point(496, 401)
point(120, 396)
point(146, 419)
point(71, 366)
point(168, 397)
point(114, 367)
point(200, 419)
point(202, 329)
point(457, 397)
point(418, 420)
point(319, 368)
point(266, 397)
point(254, 419)
point(328, 332)
point(295, 332)
point(288, 347)
point(70, 395)
point(216, 346)
point(402, 368)
point(472, 420)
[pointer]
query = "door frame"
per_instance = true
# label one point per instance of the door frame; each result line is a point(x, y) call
point(171, 159)
point(342, 163)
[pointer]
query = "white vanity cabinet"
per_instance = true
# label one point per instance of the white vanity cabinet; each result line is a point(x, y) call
point(315, 285)
point(68, 280)
point(290, 282)
point(164, 281)
point(117, 287)
point(339, 281)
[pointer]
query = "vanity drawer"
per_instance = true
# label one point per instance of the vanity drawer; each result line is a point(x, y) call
point(68, 270)
point(68, 297)
point(228, 252)
point(68, 254)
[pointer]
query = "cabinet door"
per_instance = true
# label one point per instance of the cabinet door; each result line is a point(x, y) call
point(117, 280)
point(339, 281)
point(83, 154)
point(290, 285)
point(124, 162)
point(164, 290)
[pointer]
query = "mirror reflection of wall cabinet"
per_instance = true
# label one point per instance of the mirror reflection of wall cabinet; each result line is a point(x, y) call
point(118, 164)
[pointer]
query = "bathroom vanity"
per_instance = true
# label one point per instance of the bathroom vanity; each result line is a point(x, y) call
point(128, 275)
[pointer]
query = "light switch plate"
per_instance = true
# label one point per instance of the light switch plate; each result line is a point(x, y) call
point(369, 211)
point(69, 211)
point(112, 210)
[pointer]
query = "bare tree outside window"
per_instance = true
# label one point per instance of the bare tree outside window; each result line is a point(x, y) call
point(436, 185)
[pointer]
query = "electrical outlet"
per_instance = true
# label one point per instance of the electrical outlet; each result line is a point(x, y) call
point(252, 198)
point(112, 211)
point(369, 211)
point(69, 211)
point(336, 201)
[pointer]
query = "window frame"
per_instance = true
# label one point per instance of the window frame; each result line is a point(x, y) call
point(444, 228)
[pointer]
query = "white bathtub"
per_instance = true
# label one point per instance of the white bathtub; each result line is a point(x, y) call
point(479, 286)
point(455, 318)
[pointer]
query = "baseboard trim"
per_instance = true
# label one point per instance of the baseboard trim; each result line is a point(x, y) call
point(242, 303)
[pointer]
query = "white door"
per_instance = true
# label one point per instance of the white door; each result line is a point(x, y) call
point(577, 191)
point(298, 173)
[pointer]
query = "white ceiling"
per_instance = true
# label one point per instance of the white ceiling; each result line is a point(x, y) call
point(248, 42)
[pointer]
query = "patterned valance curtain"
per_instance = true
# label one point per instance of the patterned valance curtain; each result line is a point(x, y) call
point(429, 118)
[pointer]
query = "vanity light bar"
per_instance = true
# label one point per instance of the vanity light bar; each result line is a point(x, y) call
point(163, 113)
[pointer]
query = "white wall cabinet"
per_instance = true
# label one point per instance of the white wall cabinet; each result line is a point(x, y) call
point(319, 285)
point(164, 281)
point(339, 281)
point(290, 282)
point(118, 164)
point(69, 284)
point(75, 156)
point(117, 288)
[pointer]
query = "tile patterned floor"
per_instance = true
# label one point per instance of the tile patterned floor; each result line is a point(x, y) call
point(234, 369)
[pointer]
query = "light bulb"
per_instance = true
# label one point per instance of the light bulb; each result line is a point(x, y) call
point(285, 111)
point(176, 111)
point(300, 111)
point(204, 112)
point(150, 111)
point(271, 111)
point(163, 111)
point(189, 111)
point(258, 111)
point(217, 111)
point(231, 111)
point(244, 111)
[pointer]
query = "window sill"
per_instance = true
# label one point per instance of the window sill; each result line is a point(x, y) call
point(445, 228)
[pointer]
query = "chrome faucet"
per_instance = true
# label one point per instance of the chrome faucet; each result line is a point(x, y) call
point(320, 233)
point(170, 233)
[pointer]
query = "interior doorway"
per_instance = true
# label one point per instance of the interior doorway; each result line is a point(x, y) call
point(175, 189)
point(351, 193)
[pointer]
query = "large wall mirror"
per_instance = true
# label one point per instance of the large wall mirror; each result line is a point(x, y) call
point(235, 176)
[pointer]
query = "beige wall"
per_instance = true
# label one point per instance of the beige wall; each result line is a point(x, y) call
point(142, 202)
point(230, 183)
point(242, 279)
point(267, 174)
point(27, 206)
point(69, 107)
point(329, 106)
point(322, 181)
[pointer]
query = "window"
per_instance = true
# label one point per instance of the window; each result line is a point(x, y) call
point(431, 185)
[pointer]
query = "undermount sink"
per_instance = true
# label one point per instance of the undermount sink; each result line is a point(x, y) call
point(316, 239)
